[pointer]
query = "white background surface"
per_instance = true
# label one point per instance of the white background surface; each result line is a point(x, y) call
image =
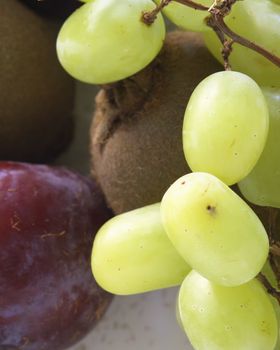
point(139, 322)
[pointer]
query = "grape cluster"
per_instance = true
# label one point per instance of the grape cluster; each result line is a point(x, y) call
point(202, 229)
point(202, 235)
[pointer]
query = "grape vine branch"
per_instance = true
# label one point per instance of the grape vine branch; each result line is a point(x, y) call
point(217, 12)
point(272, 291)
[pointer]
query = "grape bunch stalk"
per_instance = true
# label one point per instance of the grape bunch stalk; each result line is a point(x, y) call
point(203, 235)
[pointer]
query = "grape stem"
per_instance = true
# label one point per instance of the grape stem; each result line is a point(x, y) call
point(218, 10)
point(221, 26)
point(275, 249)
point(272, 291)
point(272, 217)
point(149, 17)
point(226, 43)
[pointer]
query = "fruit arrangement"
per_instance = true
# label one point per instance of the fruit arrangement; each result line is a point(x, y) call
point(186, 154)
point(225, 132)
point(49, 215)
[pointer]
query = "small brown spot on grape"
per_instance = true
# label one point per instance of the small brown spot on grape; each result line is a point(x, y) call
point(183, 182)
point(211, 209)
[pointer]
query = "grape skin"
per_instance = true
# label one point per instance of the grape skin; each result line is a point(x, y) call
point(275, 304)
point(187, 18)
point(258, 21)
point(227, 318)
point(214, 229)
point(225, 126)
point(132, 254)
point(262, 185)
point(106, 40)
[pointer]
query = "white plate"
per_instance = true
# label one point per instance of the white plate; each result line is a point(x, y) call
point(139, 322)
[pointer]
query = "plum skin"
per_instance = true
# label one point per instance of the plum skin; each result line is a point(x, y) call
point(48, 219)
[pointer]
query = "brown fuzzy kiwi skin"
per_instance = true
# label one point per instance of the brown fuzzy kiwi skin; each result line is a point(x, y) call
point(59, 9)
point(36, 95)
point(136, 141)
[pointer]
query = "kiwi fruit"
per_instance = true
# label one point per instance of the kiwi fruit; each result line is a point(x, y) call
point(136, 142)
point(36, 95)
point(59, 9)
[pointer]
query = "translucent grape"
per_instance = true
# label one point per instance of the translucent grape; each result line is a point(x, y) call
point(275, 304)
point(258, 21)
point(186, 17)
point(132, 254)
point(106, 40)
point(225, 126)
point(267, 271)
point(270, 275)
point(227, 318)
point(262, 185)
point(214, 230)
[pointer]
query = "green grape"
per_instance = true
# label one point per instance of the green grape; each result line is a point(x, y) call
point(275, 304)
point(227, 318)
point(269, 274)
point(262, 185)
point(267, 271)
point(132, 254)
point(258, 21)
point(106, 40)
point(225, 126)
point(186, 17)
point(178, 316)
point(214, 230)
